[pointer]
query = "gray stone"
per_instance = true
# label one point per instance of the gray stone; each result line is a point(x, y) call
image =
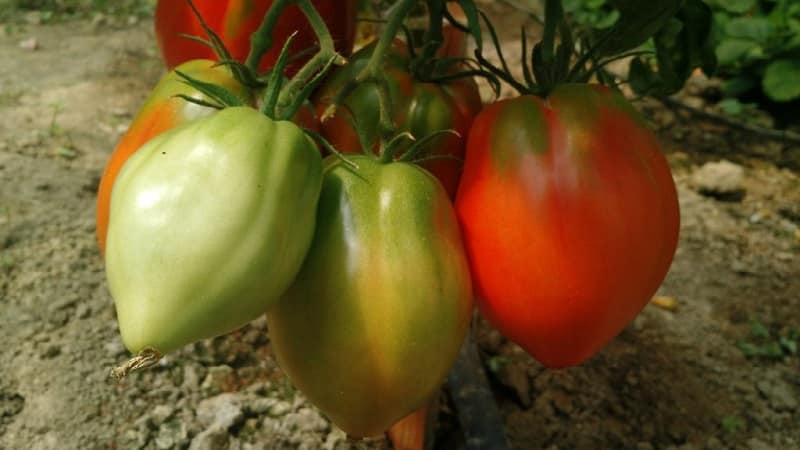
point(161, 413)
point(779, 394)
point(757, 444)
point(171, 435)
point(723, 180)
point(280, 408)
point(211, 439)
point(262, 405)
point(306, 420)
point(222, 411)
point(217, 378)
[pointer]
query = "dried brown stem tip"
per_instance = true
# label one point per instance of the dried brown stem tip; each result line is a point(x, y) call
point(146, 358)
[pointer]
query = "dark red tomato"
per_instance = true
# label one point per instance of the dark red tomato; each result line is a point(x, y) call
point(417, 107)
point(236, 20)
point(570, 219)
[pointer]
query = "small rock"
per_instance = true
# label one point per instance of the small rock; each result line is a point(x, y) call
point(29, 44)
point(562, 403)
point(262, 405)
point(161, 414)
point(218, 378)
point(722, 180)
point(644, 446)
point(280, 408)
point(222, 411)
point(305, 420)
point(173, 434)
point(135, 439)
point(757, 444)
point(779, 394)
point(51, 351)
point(515, 376)
point(211, 439)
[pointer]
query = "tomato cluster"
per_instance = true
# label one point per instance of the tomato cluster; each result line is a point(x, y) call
point(560, 223)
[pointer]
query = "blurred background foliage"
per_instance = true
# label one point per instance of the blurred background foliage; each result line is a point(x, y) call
point(756, 42)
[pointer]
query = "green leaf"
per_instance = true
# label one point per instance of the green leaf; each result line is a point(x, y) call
point(731, 106)
point(637, 24)
point(736, 6)
point(733, 51)
point(682, 44)
point(781, 81)
point(758, 29)
point(739, 85)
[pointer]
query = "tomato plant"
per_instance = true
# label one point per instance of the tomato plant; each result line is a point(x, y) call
point(421, 108)
point(162, 111)
point(378, 312)
point(209, 224)
point(235, 20)
point(570, 219)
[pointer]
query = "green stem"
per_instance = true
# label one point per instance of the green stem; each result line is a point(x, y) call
point(327, 52)
point(553, 14)
point(434, 35)
point(373, 72)
point(276, 80)
point(261, 40)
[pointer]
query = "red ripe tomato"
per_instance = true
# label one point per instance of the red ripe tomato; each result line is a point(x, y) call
point(570, 219)
point(235, 20)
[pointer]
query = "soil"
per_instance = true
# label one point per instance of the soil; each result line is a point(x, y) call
point(712, 365)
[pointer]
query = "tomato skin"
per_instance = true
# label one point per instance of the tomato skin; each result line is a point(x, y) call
point(209, 224)
point(570, 219)
point(235, 20)
point(161, 111)
point(417, 107)
point(377, 314)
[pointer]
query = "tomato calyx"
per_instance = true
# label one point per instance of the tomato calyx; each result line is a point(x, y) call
point(550, 61)
point(282, 97)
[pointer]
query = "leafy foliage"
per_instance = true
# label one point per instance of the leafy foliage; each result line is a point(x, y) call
point(769, 344)
point(758, 47)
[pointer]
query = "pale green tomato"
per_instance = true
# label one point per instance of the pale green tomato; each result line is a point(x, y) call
point(209, 225)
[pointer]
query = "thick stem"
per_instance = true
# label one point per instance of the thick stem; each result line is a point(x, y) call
point(311, 69)
point(434, 36)
point(261, 40)
point(373, 72)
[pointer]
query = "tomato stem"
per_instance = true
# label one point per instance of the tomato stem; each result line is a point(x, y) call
point(261, 40)
point(372, 73)
point(301, 85)
point(276, 79)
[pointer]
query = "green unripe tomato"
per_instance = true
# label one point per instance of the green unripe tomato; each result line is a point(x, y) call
point(209, 224)
point(377, 314)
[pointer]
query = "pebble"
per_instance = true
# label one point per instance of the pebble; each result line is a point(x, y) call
point(280, 408)
point(779, 394)
point(29, 44)
point(306, 420)
point(722, 180)
point(211, 439)
point(161, 414)
point(757, 444)
point(222, 411)
point(173, 434)
point(216, 380)
point(262, 405)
